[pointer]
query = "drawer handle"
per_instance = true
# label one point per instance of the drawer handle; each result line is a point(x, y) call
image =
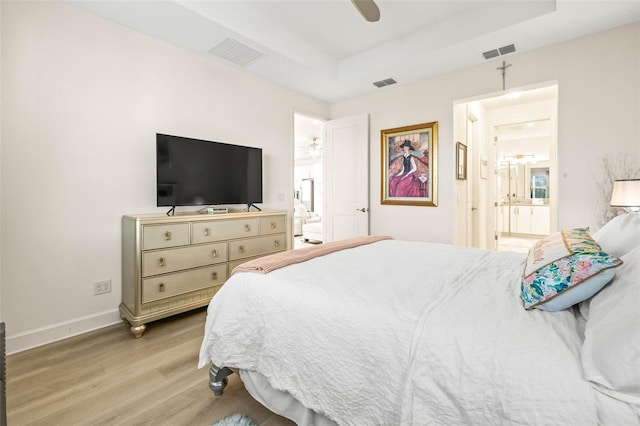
point(167, 235)
point(273, 225)
point(207, 232)
point(241, 249)
point(161, 261)
point(276, 243)
point(247, 228)
point(214, 275)
point(161, 287)
point(214, 253)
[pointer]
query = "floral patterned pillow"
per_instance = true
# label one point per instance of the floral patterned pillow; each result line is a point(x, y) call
point(564, 269)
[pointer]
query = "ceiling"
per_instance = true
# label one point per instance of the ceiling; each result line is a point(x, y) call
point(325, 49)
point(309, 131)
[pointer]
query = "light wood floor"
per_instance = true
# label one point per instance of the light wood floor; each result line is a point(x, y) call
point(107, 377)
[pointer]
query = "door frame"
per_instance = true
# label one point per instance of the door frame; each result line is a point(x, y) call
point(489, 208)
point(322, 121)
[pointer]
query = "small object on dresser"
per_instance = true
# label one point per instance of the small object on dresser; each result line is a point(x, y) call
point(217, 210)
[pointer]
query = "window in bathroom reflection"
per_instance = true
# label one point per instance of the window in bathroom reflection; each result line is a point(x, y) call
point(540, 182)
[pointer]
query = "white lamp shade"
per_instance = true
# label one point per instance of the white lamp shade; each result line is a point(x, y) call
point(626, 193)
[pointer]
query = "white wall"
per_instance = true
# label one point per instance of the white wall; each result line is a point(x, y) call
point(82, 99)
point(598, 113)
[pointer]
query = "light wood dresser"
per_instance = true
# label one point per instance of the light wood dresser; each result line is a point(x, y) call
point(172, 264)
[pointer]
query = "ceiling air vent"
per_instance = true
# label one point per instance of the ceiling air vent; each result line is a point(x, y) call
point(385, 82)
point(500, 51)
point(236, 52)
point(507, 49)
point(491, 54)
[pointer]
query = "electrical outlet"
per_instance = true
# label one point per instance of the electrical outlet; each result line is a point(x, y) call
point(101, 287)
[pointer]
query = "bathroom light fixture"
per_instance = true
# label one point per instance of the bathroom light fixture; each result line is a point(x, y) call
point(519, 158)
point(626, 194)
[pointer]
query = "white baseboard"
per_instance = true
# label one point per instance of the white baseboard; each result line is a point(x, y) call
point(42, 336)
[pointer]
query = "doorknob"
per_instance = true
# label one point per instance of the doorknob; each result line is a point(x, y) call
point(474, 208)
point(363, 210)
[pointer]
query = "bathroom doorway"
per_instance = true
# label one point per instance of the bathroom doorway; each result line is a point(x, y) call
point(523, 184)
point(513, 153)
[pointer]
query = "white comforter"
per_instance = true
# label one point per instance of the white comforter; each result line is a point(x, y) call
point(404, 333)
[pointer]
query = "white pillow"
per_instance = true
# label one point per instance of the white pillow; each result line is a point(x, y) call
point(611, 349)
point(620, 235)
point(617, 237)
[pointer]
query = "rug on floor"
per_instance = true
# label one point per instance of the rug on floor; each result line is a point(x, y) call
point(236, 420)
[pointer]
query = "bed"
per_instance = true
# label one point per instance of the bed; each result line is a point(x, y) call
point(389, 332)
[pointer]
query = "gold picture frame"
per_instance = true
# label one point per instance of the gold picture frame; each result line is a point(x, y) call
point(461, 161)
point(409, 164)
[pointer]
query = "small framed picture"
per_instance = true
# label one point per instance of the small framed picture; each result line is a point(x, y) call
point(461, 160)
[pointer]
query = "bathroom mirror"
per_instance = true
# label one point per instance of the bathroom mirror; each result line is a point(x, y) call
point(539, 182)
point(513, 182)
point(521, 182)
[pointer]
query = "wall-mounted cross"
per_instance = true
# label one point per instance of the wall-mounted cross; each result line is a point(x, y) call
point(503, 68)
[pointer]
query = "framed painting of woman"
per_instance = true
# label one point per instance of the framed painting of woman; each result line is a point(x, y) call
point(409, 165)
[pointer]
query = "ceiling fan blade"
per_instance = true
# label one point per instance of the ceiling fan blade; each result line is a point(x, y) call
point(368, 9)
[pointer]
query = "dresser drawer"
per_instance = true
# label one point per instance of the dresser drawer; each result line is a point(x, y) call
point(203, 232)
point(171, 260)
point(272, 225)
point(257, 246)
point(165, 235)
point(169, 285)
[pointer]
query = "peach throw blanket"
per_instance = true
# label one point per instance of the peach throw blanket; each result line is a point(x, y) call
point(272, 262)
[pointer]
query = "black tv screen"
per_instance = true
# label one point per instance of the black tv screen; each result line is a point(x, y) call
point(193, 172)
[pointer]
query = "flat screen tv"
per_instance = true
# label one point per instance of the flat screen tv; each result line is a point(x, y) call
point(193, 172)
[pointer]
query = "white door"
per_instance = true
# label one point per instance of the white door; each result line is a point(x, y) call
point(346, 178)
